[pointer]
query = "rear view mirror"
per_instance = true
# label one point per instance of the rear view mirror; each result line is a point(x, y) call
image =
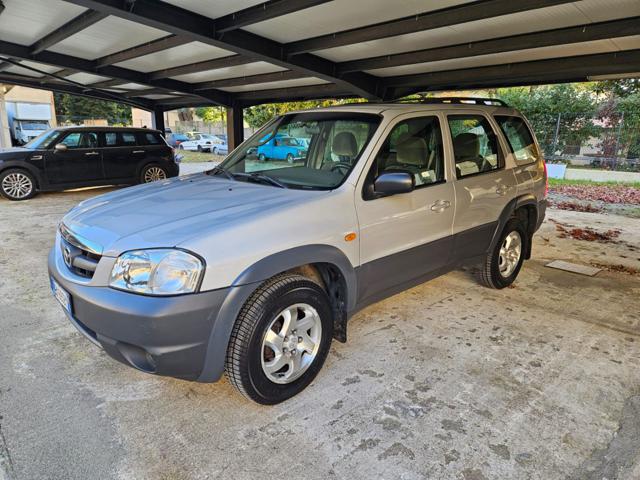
point(60, 147)
point(392, 183)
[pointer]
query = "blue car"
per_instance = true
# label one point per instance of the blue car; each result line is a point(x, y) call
point(282, 147)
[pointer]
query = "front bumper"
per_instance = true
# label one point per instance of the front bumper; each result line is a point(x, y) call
point(162, 335)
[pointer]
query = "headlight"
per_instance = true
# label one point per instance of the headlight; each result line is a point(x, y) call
point(157, 272)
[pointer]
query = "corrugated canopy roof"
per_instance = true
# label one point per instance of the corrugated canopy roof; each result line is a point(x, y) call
point(174, 53)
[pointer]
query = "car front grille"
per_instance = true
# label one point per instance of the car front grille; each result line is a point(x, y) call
point(78, 255)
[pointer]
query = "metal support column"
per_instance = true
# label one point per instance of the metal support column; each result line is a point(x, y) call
point(158, 120)
point(235, 126)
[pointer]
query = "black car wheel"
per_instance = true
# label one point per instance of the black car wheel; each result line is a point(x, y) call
point(503, 263)
point(280, 339)
point(200, 148)
point(152, 173)
point(17, 184)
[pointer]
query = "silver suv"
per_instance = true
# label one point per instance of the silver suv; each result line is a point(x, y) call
point(256, 265)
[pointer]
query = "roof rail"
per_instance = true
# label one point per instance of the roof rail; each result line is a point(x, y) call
point(456, 100)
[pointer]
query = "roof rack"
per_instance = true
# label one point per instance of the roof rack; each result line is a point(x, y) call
point(456, 100)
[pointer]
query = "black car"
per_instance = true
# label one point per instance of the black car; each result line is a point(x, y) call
point(73, 157)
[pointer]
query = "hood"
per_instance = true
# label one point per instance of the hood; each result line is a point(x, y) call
point(167, 213)
point(14, 153)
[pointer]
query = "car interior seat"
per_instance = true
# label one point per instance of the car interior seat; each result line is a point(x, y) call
point(466, 147)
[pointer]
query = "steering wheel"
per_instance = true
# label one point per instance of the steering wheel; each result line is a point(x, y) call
point(346, 166)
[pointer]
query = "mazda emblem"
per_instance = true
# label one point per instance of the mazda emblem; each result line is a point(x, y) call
point(66, 255)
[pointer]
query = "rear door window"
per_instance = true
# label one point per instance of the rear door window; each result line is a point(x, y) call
point(519, 138)
point(128, 139)
point(150, 139)
point(110, 139)
point(475, 145)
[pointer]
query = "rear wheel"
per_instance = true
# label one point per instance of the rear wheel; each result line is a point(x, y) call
point(503, 263)
point(152, 173)
point(180, 147)
point(290, 158)
point(199, 148)
point(17, 184)
point(262, 157)
point(280, 339)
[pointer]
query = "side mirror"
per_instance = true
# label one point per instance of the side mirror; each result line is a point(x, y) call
point(392, 183)
point(60, 147)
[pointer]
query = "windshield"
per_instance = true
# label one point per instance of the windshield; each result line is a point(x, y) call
point(44, 140)
point(34, 124)
point(334, 143)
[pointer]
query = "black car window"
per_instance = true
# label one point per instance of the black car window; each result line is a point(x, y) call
point(150, 139)
point(81, 140)
point(128, 138)
point(111, 139)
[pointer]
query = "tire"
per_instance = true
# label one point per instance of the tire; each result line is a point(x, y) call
point(500, 270)
point(262, 157)
point(153, 172)
point(17, 184)
point(180, 147)
point(214, 150)
point(289, 157)
point(248, 357)
point(199, 148)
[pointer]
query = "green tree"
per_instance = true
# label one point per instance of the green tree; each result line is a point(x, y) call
point(258, 115)
point(75, 109)
point(212, 114)
point(568, 108)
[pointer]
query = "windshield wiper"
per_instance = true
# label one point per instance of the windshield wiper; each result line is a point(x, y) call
point(218, 169)
point(264, 178)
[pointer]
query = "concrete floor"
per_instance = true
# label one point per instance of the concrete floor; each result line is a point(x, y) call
point(446, 381)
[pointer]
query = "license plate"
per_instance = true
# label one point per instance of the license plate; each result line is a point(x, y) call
point(61, 295)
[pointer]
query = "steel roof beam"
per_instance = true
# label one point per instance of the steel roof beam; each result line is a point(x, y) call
point(148, 48)
point(249, 80)
point(560, 36)
point(262, 12)
point(467, 12)
point(72, 89)
point(117, 73)
point(577, 68)
point(183, 22)
point(79, 23)
point(222, 62)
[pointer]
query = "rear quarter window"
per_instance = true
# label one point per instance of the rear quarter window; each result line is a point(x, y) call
point(150, 138)
point(519, 138)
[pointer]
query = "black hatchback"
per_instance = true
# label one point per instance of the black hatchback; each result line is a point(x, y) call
point(73, 157)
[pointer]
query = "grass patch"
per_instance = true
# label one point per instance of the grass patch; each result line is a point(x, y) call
point(191, 157)
point(558, 182)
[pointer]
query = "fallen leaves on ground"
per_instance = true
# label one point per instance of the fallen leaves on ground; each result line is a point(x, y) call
point(617, 268)
point(603, 193)
point(587, 234)
point(577, 207)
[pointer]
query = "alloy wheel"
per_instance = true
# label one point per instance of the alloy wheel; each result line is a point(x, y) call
point(17, 185)
point(291, 343)
point(510, 252)
point(153, 174)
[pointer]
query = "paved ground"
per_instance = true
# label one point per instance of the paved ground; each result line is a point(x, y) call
point(446, 381)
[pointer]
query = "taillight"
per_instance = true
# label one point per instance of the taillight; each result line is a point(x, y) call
point(546, 179)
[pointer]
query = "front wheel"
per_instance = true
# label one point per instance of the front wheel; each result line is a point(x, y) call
point(17, 184)
point(503, 263)
point(262, 157)
point(152, 173)
point(280, 339)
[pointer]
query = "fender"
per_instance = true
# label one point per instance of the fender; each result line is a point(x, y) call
point(24, 166)
point(512, 206)
point(250, 279)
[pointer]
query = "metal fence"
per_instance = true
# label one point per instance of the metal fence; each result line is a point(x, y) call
point(610, 141)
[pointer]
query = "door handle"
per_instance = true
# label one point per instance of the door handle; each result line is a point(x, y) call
point(440, 206)
point(138, 151)
point(503, 189)
point(92, 153)
point(36, 157)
